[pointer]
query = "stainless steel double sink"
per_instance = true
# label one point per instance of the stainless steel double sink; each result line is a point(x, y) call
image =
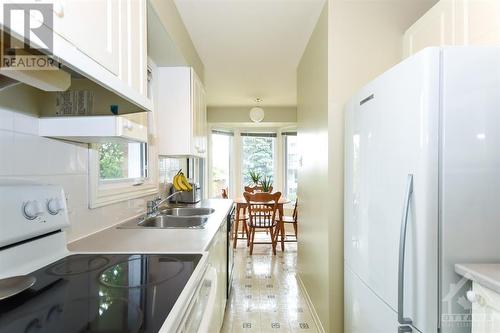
point(172, 218)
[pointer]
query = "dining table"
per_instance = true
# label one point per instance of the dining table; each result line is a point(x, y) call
point(241, 204)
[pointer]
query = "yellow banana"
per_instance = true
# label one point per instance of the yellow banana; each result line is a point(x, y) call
point(185, 182)
point(174, 183)
point(181, 180)
point(177, 183)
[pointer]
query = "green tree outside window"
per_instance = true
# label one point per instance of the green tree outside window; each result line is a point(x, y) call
point(111, 158)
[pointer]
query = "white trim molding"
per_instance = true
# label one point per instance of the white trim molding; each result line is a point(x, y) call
point(310, 305)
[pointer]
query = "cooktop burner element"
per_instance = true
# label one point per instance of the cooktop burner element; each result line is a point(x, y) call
point(79, 264)
point(111, 293)
point(120, 275)
point(110, 315)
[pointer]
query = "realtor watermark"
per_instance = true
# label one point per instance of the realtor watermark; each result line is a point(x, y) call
point(27, 38)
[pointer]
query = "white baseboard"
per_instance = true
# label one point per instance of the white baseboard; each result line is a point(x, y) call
point(310, 305)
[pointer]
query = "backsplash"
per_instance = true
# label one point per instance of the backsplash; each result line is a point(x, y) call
point(25, 155)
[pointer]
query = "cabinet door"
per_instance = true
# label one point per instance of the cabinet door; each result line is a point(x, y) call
point(455, 22)
point(195, 88)
point(217, 259)
point(203, 122)
point(486, 311)
point(198, 115)
point(181, 112)
point(483, 22)
point(214, 261)
point(134, 48)
point(222, 274)
point(92, 26)
point(434, 28)
point(175, 111)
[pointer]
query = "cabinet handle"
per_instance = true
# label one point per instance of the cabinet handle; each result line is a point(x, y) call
point(475, 298)
point(128, 125)
point(58, 9)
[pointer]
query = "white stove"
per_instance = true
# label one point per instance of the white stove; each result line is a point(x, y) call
point(59, 291)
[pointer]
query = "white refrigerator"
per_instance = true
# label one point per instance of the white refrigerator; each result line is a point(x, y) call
point(422, 190)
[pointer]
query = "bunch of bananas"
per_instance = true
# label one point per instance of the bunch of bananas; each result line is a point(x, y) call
point(181, 183)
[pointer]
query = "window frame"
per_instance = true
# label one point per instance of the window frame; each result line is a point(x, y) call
point(144, 166)
point(285, 135)
point(230, 133)
point(272, 133)
point(236, 181)
point(107, 192)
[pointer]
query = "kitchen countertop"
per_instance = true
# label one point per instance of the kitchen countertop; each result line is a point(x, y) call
point(487, 275)
point(157, 240)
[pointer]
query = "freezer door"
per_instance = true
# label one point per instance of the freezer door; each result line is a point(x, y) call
point(470, 182)
point(392, 131)
point(364, 311)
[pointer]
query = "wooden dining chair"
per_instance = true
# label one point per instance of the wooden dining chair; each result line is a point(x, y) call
point(290, 220)
point(240, 219)
point(252, 189)
point(257, 188)
point(262, 208)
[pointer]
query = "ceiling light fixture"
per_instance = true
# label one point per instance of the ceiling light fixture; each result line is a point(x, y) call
point(257, 113)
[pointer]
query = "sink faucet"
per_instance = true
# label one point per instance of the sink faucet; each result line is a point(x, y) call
point(152, 205)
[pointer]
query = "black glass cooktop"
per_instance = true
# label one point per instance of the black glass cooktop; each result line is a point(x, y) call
point(100, 293)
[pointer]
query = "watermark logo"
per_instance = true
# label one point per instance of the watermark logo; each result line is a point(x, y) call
point(27, 41)
point(457, 309)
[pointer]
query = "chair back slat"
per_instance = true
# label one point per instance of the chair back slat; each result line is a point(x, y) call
point(257, 188)
point(262, 208)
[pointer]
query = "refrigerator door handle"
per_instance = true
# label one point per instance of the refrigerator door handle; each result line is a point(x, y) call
point(402, 245)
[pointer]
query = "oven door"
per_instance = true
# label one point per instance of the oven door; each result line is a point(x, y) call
point(201, 315)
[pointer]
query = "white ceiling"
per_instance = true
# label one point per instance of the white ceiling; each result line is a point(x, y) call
point(250, 48)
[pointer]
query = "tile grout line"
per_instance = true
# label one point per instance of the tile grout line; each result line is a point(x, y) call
point(276, 305)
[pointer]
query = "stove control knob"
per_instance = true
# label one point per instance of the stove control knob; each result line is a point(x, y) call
point(54, 206)
point(32, 209)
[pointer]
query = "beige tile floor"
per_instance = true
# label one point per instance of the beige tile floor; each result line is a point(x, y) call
point(266, 296)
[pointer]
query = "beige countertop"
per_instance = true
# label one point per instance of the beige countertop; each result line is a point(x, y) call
point(487, 275)
point(146, 240)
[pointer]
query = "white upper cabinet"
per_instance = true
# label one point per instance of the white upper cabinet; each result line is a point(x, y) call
point(92, 26)
point(435, 28)
point(111, 32)
point(104, 40)
point(133, 44)
point(455, 22)
point(181, 113)
point(483, 22)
